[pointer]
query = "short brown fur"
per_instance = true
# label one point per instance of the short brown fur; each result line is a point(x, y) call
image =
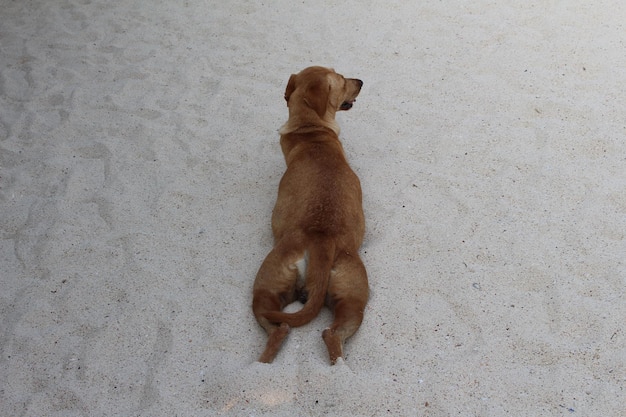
point(318, 222)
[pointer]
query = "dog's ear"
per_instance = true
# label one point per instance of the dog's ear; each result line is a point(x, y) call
point(316, 96)
point(291, 85)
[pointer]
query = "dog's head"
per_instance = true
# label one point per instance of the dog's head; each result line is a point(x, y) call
point(322, 90)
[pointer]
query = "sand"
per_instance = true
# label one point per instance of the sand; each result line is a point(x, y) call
point(139, 163)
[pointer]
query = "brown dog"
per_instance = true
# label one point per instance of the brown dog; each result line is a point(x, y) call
point(317, 222)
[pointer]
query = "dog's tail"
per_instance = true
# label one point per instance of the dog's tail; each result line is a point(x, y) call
point(321, 258)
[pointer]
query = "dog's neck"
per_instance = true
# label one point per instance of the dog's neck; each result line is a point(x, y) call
point(299, 140)
point(309, 121)
point(308, 127)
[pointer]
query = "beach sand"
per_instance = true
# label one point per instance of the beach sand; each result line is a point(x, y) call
point(139, 164)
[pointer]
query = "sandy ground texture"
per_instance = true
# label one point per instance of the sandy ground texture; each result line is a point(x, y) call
point(139, 165)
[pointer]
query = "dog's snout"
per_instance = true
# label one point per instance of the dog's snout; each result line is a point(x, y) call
point(360, 83)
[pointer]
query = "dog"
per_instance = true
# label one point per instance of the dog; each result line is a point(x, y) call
point(317, 222)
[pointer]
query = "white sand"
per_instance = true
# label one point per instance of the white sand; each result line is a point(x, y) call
point(139, 166)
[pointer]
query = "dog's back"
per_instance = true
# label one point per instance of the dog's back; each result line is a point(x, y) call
point(318, 210)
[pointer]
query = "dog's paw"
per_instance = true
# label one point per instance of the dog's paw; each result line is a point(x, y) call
point(333, 344)
point(340, 362)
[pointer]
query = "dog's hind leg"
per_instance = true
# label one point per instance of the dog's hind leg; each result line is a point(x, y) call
point(274, 342)
point(274, 288)
point(347, 296)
